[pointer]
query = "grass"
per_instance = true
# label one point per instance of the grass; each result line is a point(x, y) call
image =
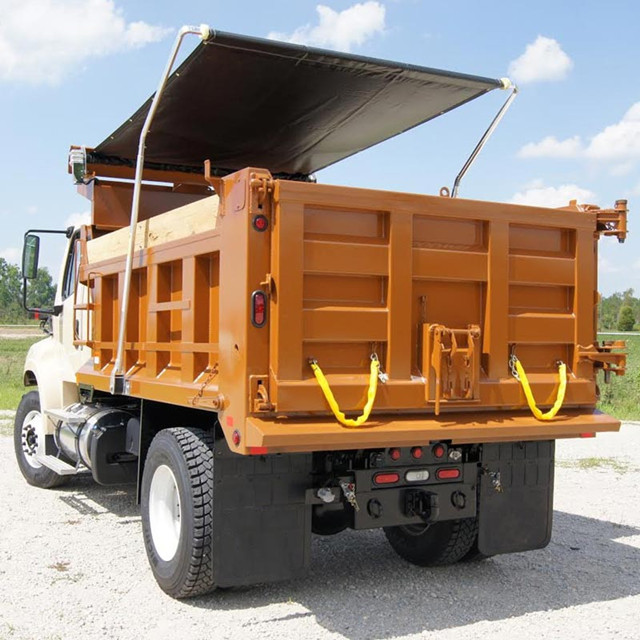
point(12, 355)
point(621, 398)
point(584, 464)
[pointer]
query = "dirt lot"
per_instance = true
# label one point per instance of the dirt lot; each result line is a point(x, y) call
point(72, 565)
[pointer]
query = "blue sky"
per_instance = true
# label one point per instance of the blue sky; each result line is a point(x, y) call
point(71, 71)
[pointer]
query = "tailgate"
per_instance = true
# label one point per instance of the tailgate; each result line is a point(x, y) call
point(360, 271)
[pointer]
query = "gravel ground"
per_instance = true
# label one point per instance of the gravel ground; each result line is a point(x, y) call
point(72, 564)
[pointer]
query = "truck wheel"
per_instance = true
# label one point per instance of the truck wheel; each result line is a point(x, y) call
point(177, 511)
point(27, 427)
point(437, 544)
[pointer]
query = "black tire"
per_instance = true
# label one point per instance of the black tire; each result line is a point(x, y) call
point(25, 442)
point(187, 570)
point(438, 544)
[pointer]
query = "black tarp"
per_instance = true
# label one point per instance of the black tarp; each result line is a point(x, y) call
point(242, 101)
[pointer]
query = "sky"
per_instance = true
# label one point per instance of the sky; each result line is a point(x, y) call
point(71, 71)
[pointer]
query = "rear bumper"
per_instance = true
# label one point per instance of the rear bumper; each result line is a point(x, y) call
point(325, 434)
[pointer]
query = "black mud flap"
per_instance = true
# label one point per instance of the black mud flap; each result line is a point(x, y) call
point(262, 524)
point(516, 496)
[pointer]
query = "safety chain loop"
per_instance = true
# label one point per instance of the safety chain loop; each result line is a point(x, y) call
point(374, 375)
point(519, 374)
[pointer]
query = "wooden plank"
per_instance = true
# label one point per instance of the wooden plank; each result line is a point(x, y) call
point(438, 264)
point(177, 224)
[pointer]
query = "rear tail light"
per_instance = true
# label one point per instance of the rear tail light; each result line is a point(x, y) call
point(438, 451)
point(386, 478)
point(394, 454)
point(448, 474)
point(416, 452)
point(258, 308)
point(260, 223)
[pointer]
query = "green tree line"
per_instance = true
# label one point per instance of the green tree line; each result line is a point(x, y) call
point(40, 293)
point(619, 312)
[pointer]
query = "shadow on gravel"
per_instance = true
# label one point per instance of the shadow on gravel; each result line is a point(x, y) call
point(359, 588)
point(91, 499)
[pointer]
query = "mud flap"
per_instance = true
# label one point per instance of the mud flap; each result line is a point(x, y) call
point(262, 524)
point(516, 496)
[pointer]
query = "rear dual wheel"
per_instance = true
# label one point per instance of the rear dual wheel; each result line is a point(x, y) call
point(177, 511)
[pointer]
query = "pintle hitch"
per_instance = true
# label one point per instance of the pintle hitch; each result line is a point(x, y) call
point(422, 504)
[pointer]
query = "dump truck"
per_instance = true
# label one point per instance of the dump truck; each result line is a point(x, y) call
point(266, 357)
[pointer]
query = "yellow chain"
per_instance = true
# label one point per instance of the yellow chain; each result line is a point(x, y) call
point(328, 394)
point(519, 374)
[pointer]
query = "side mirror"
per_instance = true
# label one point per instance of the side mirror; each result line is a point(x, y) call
point(30, 255)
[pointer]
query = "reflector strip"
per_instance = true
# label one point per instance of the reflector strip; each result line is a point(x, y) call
point(386, 478)
point(258, 451)
point(447, 474)
point(587, 435)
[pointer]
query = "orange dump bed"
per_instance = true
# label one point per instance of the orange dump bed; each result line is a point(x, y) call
point(443, 290)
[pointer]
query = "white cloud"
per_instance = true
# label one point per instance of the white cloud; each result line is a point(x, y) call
point(539, 195)
point(551, 147)
point(32, 209)
point(11, 254)
point(339, 30)
point(542, 60)
point(620, 140)
point(42, 41)
point(76, 219)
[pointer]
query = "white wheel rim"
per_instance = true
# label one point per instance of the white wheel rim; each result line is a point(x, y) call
point(164, 512)
point(31, 427)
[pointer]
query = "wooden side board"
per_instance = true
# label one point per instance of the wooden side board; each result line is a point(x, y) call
point(177, 224)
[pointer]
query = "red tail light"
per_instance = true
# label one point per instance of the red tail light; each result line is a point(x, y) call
point(448, 474)
point(386, 478)
point(394, 454)
point(258, 308)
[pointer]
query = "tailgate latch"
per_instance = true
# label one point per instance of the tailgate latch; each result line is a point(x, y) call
point(451, 363)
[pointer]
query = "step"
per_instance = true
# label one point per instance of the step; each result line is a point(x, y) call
point(66, 416)
point(57, 465)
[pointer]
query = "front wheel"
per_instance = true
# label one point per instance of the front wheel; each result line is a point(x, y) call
point(28, 429)
point(432, 545)
point(177, 511)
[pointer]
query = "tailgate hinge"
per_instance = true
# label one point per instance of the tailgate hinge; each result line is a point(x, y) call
point(610, 356)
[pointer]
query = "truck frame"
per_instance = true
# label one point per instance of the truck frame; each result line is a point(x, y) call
point(267, 357)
